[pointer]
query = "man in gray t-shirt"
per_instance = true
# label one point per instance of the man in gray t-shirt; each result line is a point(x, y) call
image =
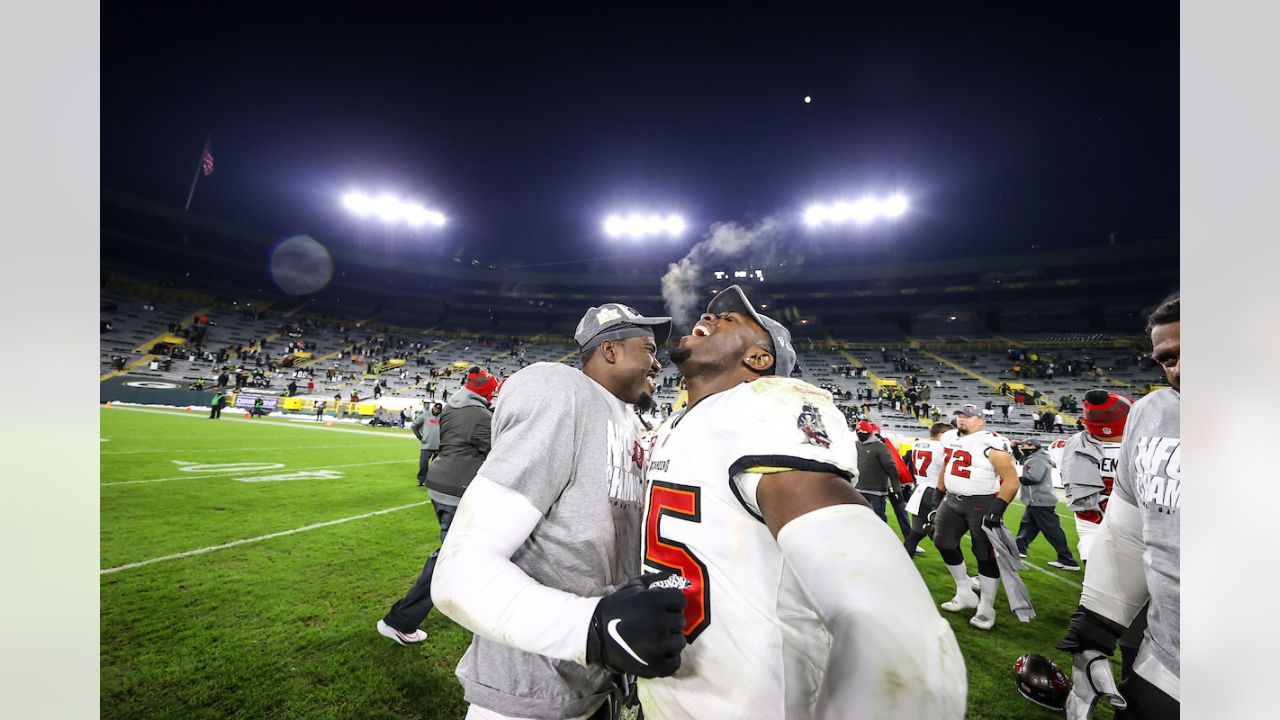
point(541, 559)
point(1138, 556)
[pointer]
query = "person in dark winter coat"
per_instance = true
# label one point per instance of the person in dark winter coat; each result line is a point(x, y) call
point(464, 439)
point(877, 471)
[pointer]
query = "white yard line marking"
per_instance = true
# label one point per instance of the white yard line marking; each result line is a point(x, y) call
point(246, 473)
point(261, 422)
point(399, 445)
point(211, 548)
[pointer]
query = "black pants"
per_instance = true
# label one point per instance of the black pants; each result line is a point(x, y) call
point(960, 514)
point(409, 611)
point(215, 412)
point(1038, 520)
point(424, 461)
point(900, 512)
point(877, 504)
point(913, 537)
point(1146, 701)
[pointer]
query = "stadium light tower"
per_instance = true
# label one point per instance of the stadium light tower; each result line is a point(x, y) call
point(392, 210)
point(637, 226)
point(863, 211)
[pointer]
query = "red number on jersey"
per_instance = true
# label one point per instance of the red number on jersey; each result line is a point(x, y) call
point(685, 503)
point(960, 462)
point(923, 460)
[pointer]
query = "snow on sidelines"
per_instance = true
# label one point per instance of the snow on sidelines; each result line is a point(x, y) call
point(260, 538)
point(277, 422)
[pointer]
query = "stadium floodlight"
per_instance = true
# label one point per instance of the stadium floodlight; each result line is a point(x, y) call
point(358, 203)
point(895, 206)
point(637, 226)
point(862, 212)
point(390, 209)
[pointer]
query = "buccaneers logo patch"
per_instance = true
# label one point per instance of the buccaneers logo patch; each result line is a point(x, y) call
point(810, 424)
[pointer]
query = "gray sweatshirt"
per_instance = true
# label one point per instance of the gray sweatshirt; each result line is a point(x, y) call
point(1150, 476)
point(1037, 481)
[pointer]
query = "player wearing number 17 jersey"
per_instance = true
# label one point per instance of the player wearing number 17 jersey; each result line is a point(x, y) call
point(789, 575)
point(926, 465)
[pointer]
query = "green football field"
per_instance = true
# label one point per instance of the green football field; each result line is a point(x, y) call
point(245, 563)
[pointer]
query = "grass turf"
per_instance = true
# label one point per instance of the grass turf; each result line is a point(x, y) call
point(284, 627)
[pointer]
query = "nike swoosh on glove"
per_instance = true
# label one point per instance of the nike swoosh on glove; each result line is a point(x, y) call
point(1091, 681)
point(639, 628)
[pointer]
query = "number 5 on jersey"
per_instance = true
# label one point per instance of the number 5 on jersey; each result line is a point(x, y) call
point(680, 502)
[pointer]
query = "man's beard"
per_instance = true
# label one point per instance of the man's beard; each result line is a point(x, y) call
point(644, 403)
point(681, 354)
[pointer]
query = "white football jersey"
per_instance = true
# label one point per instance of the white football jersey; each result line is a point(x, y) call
point(1089, 522)
point(926, 460)
point(969, 471)
point(756, 649)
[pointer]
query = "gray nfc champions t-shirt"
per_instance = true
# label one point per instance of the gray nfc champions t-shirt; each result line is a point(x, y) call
point(1150, 477)
point(572, 449)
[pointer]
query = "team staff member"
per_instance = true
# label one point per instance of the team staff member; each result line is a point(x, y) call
point(926, 465)
point(542, 559)
point(877, 473)
point(464, 439)
point(979, 479)
point(1041, 503)
point(789, 574)
point(1137, 558)
point(426, 427)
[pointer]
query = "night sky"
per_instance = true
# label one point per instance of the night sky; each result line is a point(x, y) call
point(1008, 127)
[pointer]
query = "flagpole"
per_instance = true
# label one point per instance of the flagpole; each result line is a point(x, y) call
point(196, 178)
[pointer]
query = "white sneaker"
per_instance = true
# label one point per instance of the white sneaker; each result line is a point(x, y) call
point(412, 638)
point(919, 550)
point(961, 601)
point(1063, 566)
point(983, 622)
point(1021, 554)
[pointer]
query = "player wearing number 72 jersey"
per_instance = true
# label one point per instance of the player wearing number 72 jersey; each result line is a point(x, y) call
point(801, 603)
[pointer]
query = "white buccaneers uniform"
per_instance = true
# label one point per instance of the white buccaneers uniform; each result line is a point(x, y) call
point(969, 470)
point(926, 466)
point(1089, 522)
point(755, 650)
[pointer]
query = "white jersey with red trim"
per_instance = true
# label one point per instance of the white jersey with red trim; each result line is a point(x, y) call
point(968, 469)
point(756, 649)
point(926, 462)
point(1089, 522)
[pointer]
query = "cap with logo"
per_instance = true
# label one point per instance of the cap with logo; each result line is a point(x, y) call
point(969, 410)
point(732, 299)
point(1105, 413)
point(615, 321)
point(481, 383)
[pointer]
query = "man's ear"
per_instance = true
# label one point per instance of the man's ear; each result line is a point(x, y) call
point(758, 359)
point(609, 351)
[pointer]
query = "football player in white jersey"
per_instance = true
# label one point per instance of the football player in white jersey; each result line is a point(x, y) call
point(1089, 462)
point(926, 465)
point(979, 479)
point(788, 574)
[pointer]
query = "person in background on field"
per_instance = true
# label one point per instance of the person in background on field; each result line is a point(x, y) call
point(463, 436)
point(218, 402)
point(426, 427)
point(1041, 502)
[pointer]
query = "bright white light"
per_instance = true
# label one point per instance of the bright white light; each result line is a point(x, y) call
point(895, 206)
point(865, 210)
point(414, 214)
point(358, 203)
point(636, 226)
point(740, 273)
point(387, 208)
point(862, 212)
point(807, 99)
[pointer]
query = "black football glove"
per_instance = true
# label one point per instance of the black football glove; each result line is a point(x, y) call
point(639, 629)
point(995, 514)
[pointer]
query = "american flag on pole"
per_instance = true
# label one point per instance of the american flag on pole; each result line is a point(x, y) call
point(206, 159)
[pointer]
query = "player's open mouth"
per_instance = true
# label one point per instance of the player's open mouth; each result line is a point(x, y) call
point(700, 330)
